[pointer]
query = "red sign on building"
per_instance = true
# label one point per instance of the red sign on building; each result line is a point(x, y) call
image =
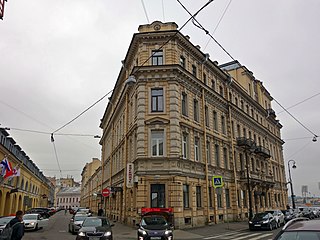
point(106, 192)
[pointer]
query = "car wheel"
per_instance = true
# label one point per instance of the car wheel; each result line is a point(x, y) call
point(270, 227)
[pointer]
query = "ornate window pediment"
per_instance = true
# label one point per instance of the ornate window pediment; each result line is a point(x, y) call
point(157, 120)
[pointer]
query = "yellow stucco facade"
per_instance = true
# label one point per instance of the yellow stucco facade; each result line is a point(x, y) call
point(30, 189)
point(174, 121)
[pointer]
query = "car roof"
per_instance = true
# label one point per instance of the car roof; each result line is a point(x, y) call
point(304, 226)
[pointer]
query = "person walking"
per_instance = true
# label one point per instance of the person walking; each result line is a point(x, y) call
point(100, 212)
point(17, 226)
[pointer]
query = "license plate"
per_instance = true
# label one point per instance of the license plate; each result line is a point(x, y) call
point(155, 238)
point(94, 238)
point(257, 225)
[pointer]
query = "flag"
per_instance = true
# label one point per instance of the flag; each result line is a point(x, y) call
point(14, 173)
point(10, 172)
point(6, 166)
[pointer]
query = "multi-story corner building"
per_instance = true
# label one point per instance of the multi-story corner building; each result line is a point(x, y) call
point(29, 189)
point(176, 119)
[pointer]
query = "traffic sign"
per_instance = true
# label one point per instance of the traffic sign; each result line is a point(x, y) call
point(106, 192)
point(217, 181)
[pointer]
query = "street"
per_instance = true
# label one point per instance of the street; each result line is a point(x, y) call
point(58, 229)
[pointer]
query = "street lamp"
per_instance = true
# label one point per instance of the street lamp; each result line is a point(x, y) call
point(290, 181)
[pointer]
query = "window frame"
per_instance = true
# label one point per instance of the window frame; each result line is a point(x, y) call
point(158, 143)
point(157, 60)
point(157, 100)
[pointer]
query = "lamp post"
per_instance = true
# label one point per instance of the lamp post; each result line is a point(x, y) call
point(290, 181)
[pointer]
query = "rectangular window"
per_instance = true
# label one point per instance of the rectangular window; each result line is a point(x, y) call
point(157, 100)
point(219, 197)
point(210, 196)
point(198, 196)
point(208, 150)
point(245, 198)
point(196, 149)
point(196, 110)
point(183, 61)
point(213, 85)
point(223, 125)
point(157, 139)
point(205, 79)
point(217, 154)
point(194, 70)
point(225, 158)
point(185, 145)
point(227, 193)
point(158, 195)
point(186, 196)
point(157, 57)
point(215, 121)
point(184, 104)
point(206, 113)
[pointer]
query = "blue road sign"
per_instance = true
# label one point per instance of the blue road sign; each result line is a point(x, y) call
point(217, 181)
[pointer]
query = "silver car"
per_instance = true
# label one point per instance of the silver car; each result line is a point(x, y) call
point(4, 221)
point(75, 222)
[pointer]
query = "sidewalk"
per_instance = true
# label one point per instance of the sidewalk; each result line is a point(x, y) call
point(124, 231)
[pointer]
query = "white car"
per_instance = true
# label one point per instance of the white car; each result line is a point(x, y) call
point(4, 221)
point(278, 215)
point(34, 221)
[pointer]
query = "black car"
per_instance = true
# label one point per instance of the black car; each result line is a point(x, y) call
point(44, 212)
point(154, 227)
point(263, 220)
point(98, 228)
point(300, 229)
point(288, 215)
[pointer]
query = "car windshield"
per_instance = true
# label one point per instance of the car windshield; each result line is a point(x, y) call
point(95, 222)
point(301, 235)
point(157, 220)
point(29, 217)
point(5, 220)
point(80, 217)
point(260, 216)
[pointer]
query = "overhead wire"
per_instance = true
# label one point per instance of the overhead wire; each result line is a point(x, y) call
point(165, 43)
point(314, 135)
point(219, 21)
point(298, 103)
point(200, 26)
point(145, 11)
point(87, 109)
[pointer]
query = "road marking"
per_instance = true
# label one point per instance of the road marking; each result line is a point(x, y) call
point(240, 236)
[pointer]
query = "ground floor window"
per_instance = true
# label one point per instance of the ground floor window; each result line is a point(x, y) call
point(158, 195)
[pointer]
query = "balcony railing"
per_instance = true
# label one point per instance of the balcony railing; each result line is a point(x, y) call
point(262, 151)
point(246, 143)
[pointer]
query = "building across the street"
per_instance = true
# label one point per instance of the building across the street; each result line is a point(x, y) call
point(68, 197)
point(175, 121)
point(26, 187)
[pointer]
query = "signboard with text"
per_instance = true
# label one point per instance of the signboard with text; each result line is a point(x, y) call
point(130, 170)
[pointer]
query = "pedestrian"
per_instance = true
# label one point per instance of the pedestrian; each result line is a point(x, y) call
point(17, 226)
point(100, 212)
point(65, 211)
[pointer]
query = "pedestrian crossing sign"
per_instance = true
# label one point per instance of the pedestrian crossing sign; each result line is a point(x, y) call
point(217, 181)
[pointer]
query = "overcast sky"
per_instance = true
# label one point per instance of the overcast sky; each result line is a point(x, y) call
point(59, 57)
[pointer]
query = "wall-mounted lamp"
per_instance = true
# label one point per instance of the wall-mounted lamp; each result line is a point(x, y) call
point(131, 80)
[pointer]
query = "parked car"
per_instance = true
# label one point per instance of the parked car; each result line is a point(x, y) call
point(263, 220)
point(44, 212)
point(154, 227)
point(288, 215)
point(34, 221)
point(299, 229)
point(85, 211)
point(75, 222)
point(4, 221)
point(278, 215)
point(307, 212)
point(98, 228)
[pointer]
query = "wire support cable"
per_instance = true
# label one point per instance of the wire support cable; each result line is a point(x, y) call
point(87, 109)
point(145, 11)
point(314, 135)
point(199, 25)
point(57, 159)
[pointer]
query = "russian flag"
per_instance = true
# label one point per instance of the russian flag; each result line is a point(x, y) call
point(6, 166)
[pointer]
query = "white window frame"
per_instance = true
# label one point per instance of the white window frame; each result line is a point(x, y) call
point(157, 142)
